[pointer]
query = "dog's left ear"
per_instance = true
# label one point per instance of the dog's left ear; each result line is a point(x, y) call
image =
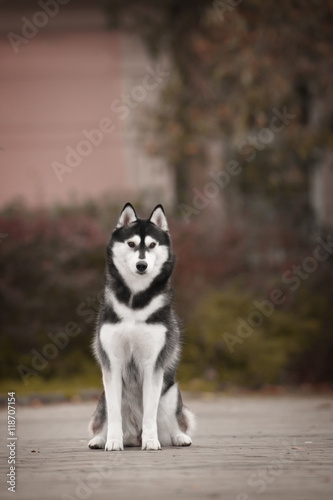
point(158, 218)
point(127, 216)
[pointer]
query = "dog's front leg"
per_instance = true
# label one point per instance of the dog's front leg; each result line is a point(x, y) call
point(152, 387)
point(112, 381)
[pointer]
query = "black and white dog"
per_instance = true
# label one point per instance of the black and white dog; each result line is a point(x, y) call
point(138, 341)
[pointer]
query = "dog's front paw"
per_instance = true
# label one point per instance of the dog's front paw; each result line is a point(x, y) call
point(96, 442)
point(114, 445)
point(151, 444)
point(182, 440)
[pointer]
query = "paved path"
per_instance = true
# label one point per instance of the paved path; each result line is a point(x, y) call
point(245, 448)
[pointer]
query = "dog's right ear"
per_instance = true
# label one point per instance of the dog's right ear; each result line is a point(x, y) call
point(127, 216)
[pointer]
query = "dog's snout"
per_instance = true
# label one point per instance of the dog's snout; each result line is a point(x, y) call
point(141, 266)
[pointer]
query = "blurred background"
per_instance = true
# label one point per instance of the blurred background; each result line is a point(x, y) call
point(220, 110)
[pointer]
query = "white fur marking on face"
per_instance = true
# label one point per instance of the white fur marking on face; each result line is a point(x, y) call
point(125, 261)
point(149, 240)
point(136, 239)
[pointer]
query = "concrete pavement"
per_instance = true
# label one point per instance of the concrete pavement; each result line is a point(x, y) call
point(244, 448)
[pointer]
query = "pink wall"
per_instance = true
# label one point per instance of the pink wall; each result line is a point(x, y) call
point(56, 86)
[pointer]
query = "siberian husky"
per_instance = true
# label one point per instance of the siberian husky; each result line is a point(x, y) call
point(138, 341)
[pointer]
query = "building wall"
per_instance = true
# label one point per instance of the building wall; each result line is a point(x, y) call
point(69, 78)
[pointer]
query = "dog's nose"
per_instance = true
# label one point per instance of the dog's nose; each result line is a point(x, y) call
point(141, 266)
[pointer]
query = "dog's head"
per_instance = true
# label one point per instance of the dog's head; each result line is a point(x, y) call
point(140, 247)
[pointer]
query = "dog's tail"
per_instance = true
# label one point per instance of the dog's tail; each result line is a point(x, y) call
point(98, 419)
point(190, 421)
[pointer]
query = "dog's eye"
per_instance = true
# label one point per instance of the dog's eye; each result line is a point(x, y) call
point(152, 245)
point(131, 244)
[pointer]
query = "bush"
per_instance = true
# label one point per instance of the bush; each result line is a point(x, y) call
point(224, 347)
point(52, 265)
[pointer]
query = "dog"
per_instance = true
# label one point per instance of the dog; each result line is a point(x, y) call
point(138, 341)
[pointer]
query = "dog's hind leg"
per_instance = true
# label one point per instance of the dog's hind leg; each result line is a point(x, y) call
point(175, 422)
point(98, 425)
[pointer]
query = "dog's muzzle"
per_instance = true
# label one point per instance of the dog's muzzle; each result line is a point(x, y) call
point(141, 266)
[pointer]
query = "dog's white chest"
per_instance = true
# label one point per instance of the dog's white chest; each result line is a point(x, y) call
point(132, 336)
point(132, 339)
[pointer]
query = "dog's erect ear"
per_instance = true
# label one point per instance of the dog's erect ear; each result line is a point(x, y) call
point(158, 218)
point(127, 216)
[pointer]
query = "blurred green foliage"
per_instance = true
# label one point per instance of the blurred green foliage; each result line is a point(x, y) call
point(270, 352)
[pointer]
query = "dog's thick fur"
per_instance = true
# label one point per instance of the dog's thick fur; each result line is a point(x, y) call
point(138, 341)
